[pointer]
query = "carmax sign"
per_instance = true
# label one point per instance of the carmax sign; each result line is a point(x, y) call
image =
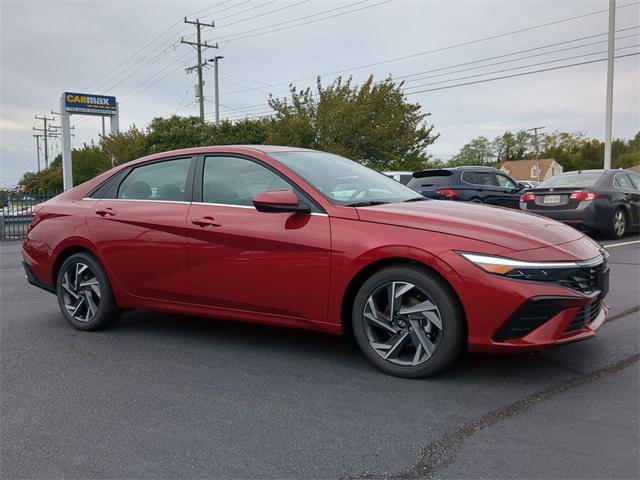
point(90, 104)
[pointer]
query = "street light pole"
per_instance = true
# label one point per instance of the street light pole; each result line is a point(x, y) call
point(216, 86)
point(609, 109)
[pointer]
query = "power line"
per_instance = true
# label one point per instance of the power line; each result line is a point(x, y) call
point(124, 62)
point(164, 32)
point(573, 57)
point(444, 48)
point(246, 19)
point(521, 74)
point(520, 59)
point(526, 50)
point(248, 10)
point(246, 34)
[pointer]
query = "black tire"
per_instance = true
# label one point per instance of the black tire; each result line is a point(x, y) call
point(94, 301)
point(451, 336)
point(476, 200)
point(617, 224)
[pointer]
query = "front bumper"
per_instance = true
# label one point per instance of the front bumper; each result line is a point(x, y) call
point(507, 315)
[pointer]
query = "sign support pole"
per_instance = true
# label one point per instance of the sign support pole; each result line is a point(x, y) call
point(65, 123)
point(114, 122)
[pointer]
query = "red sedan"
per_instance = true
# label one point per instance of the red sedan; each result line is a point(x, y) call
point(307, 239)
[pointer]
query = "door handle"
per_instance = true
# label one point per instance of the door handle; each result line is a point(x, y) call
point(103, 212)
point(206, 222)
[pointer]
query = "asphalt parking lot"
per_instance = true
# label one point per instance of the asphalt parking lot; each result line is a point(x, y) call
point(164, 396)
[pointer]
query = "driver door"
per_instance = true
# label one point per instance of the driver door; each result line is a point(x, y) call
point(509, 192)
point(276, 265)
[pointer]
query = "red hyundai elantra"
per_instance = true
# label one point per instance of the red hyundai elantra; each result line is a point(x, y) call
point(307, 239)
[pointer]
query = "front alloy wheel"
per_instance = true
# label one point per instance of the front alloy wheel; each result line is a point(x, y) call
point(403, 324)
point(408, 321)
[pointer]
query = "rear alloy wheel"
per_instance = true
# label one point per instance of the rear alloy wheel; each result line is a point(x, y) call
point(407, 323)
point(84, 293)
point(618, 224)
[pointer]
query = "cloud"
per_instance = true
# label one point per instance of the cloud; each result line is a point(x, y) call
point(47, 47)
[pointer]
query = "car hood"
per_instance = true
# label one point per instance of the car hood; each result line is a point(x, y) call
point(504, 227)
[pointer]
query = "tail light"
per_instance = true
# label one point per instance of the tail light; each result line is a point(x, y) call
point(447, 193)
point(584, 196)
point(527, 197)
point(36, 217)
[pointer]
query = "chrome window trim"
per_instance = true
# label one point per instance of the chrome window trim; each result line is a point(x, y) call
point(247, 206)
point(137, 200)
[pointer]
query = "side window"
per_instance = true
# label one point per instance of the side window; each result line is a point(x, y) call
point(480, 178)
point(623, 181)
point(506, 182)
point(235, 181)
point(157, 181)
point(635, 179)
point(404, 179)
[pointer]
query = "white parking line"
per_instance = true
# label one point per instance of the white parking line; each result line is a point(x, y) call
point(621, 244)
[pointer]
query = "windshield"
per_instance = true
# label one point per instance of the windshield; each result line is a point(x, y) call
point(572, 180)
point(343, 181)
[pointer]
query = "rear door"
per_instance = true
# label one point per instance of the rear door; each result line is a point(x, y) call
point(625, 183)
point(275, 264)
point(139, 228)
point(482, 186)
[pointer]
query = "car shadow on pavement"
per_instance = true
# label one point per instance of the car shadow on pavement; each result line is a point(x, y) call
point(317, 349)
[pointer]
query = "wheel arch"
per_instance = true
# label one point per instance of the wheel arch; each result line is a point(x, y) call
point(365, 272)
point(65, 253)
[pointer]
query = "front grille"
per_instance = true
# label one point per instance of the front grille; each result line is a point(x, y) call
point(584, 280)
point(584, 317)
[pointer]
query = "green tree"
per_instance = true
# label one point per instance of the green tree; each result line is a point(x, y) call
point(126, 146)
point(88, 162)
point(479, 151)
point(371, 123)
point(512, 146)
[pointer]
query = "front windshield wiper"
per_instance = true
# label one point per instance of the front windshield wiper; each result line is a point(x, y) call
point(368, 203)
point(415, 199)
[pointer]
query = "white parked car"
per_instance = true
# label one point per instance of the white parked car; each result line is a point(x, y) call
point(528, 183)
point(402, 177)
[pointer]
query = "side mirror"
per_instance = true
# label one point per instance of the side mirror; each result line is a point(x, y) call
point(279, 201)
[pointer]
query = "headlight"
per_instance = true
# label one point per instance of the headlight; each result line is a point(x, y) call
point(526, 270)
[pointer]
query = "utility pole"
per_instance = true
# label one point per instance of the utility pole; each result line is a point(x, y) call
point(48, 131)
point(216, 86)
point(37, 137)
point(535, 144)
point(199, 46)
point(609, 108)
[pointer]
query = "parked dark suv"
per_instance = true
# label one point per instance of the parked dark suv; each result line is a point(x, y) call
point(594, 200)
point(469, 184)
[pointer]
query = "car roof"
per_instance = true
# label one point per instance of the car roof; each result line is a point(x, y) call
point(246, 149)
point(595, 170)
point(456, 169)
